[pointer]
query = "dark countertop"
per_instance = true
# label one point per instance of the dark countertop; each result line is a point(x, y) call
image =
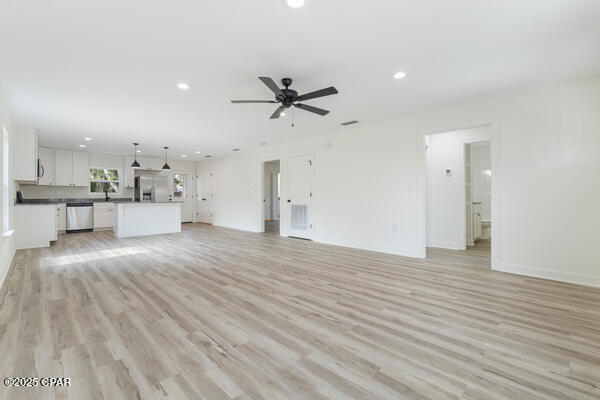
point(76, 200)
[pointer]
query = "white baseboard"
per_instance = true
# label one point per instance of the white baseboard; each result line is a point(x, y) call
point(380, 249)
point(238, 227)
point(554, 275)
point(7, 266)
point(445, 245)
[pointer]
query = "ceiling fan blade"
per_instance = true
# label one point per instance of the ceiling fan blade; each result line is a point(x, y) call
point(312, 109)
point(277, 112)
point(271, 85)
point(252, 101)
point(318, 93)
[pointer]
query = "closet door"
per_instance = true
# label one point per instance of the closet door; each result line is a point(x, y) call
point(299, 200)
point(206, 196)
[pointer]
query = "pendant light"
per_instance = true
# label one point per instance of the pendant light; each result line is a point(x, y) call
point(166, 166)
point(135, 164)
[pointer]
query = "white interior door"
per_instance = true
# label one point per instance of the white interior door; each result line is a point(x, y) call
point(299, 197)
point(182, 193)
point(205, 197)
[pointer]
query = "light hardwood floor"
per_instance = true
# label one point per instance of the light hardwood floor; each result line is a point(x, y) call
point(213, 313)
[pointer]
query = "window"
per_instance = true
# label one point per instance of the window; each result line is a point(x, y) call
point(104, 180)
point(5, 181)
point(179, 187)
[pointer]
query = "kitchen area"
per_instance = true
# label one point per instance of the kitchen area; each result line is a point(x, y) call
point(63, 192)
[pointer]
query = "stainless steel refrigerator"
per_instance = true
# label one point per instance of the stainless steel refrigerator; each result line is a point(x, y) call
point(151, 187)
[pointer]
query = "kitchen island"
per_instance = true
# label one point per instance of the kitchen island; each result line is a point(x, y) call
point(141, 219)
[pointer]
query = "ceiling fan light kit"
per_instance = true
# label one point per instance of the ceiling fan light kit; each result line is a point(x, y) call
point(289, 97)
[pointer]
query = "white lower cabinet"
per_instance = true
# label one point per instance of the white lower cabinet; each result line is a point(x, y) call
point(61, 218)
point(104, 216)
point(35, 225)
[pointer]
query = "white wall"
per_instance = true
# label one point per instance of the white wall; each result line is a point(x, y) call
point(368, 204)
point(446, 194)
point(7, 245)
point(370, 185)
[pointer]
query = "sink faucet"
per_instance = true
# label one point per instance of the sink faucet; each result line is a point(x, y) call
point(106, 198)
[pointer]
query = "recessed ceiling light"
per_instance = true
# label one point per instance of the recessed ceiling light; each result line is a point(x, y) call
point(283, 114)
point(263, 143)
point(198, 152)
point(399, 75)
point(295, 3)
point(138, 151)
point(82, 145)
point(87, 139)
point(183, 156)
point(183, 86)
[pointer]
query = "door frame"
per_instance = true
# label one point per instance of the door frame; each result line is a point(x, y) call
point(422, 184)
point(463, 195)
point(262, 192)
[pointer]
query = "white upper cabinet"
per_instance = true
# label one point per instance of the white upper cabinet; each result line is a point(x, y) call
point(128, 172)
point(154, 163)
point(81, 169)
point(25, 155)
point(149, 163)
point(63, 168)
point(71, 168)
point(46, 166)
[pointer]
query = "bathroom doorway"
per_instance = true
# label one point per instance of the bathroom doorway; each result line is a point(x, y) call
point(459, 194)
point(478, 193)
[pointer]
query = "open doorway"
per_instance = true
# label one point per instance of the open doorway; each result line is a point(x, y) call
point(459, 194)
point(271, 196)
point(478, 192)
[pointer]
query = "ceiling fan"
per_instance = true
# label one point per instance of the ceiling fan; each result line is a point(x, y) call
point(289, 97)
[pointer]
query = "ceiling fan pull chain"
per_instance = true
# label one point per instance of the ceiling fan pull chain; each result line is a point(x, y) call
point(292, 116)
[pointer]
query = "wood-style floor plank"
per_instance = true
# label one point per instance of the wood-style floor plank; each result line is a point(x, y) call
point(213, 313)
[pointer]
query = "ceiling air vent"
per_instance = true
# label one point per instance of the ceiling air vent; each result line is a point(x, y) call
point(349, 123)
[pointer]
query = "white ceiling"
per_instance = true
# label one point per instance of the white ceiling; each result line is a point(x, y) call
point(108, 69)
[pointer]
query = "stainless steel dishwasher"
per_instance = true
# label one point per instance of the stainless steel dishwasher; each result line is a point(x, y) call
point(80, 217)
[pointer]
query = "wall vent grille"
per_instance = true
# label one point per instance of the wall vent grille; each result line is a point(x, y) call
point(299, 217)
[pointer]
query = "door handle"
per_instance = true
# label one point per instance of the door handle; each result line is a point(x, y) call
point(289, 201)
